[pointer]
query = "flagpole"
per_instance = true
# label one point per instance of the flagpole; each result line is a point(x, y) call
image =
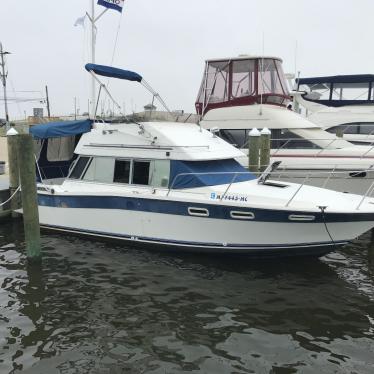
point(93, 51)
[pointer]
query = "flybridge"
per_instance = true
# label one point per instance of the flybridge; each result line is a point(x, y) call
point(243, 80)
point(338, 90)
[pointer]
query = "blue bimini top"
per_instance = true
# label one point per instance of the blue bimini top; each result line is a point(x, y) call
point(60, 129)
point(110, 72)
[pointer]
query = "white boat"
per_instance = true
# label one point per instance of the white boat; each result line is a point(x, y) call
point(342, 104)
point(178, 186)
point(246, 92)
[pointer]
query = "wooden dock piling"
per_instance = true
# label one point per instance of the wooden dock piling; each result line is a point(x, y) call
point(265, 140)
point(254, 150)
point(12, 139)
point(26, 163)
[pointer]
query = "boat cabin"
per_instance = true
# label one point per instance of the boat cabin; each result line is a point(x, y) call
point(338, 90)
point(155, 155)
point(243, 80)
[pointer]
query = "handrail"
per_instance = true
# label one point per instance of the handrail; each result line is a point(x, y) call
point(297, 191)
point(368, 191)
point(229, 186)
point(257, 174)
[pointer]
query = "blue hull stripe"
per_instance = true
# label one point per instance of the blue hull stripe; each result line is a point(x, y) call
point(176, 243)
point(180, 208)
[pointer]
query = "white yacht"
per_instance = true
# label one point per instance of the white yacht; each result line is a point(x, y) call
point(178, 186)
point(342, 104)
point(246, 92)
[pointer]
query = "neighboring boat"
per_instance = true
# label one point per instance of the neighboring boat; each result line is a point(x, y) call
point(178, 186)
point(242, 93)
point(342, 104)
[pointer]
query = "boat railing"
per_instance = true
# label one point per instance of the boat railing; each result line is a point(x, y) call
point(329, 146)
point(306, 177)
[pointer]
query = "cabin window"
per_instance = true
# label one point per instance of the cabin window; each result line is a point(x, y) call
point(243, 78)
point(160, 173)
point(236, 137)
point(271, 78)
point(140, 173)
point(288, 140)
point(122, 170)
point(316, 92)
point(79, 167)
point(60, 149)
point(216, 87)
point(350, 91)
point(364, 128)
point(100, 169)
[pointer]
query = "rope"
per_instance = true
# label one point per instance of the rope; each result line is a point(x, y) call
point(7, 201)
point(323, 208)
point(115, 46)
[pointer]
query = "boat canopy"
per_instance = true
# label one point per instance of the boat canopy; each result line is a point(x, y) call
point(242, 81)
point(191, 174)
point(338, 90)
point(60, 129)
point(108, 71)
point(359, 78)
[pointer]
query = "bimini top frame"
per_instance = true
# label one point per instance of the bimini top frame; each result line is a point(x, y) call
point(111, 72)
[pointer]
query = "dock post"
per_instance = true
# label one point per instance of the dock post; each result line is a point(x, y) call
point(26, 162)
point(12, 140)
point(265, 140)
point(254, 150)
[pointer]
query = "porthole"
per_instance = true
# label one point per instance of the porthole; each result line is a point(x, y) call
point(241, 215)
point(199, 212)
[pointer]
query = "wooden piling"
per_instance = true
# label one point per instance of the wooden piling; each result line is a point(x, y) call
point(254, 150)
point(26, 162)
point(12, 139)
point(265, 140)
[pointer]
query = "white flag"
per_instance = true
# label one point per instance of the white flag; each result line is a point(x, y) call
point(80, 21)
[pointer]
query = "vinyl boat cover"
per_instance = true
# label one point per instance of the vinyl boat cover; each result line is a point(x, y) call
point(110, 72)
point(60, 129)
point(191, 174)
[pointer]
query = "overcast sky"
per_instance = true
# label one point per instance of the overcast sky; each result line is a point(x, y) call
point(167, 42)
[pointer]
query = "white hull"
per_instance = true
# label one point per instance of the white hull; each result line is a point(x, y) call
point(202, 233)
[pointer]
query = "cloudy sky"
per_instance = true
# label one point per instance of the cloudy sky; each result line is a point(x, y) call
point(167, 42)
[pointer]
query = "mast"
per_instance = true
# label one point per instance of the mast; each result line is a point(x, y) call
point(93, 52)
point(47, 97)
point(4, 76)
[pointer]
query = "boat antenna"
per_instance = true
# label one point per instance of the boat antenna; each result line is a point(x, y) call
point(3, 76)
point(295, 57)
point(93, 19)
point(262, 72)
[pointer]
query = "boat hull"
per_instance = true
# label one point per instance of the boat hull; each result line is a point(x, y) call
point(270, 233)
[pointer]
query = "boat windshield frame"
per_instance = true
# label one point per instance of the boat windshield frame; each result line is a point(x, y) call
point(242, 81)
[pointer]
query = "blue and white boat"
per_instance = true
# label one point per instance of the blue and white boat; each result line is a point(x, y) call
point(178, 186)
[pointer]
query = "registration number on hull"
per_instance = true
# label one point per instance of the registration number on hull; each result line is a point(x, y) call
point(240, 198)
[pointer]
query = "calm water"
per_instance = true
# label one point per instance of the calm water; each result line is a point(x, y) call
point(102, 308)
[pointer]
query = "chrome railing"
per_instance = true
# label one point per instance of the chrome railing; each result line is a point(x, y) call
point(318, 149)
point(321, 174)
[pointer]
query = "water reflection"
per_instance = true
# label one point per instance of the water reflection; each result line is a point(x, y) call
point(99, 308)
